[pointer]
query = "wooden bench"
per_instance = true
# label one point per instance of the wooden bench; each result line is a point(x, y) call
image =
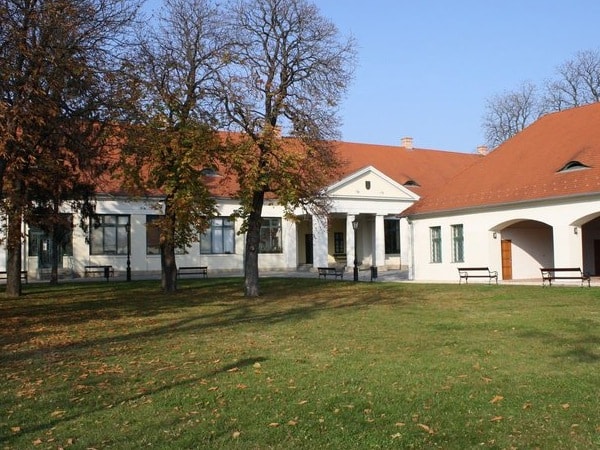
point(101, 270)
point(197, 270)
point(550, 274)
point(464, 273)
point(336, 272)
point(3, 275)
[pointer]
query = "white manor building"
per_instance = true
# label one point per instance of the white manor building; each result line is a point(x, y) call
point(532, 202)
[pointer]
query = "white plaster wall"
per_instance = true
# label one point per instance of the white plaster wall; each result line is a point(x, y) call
point(235, 262)
point(142, 262)
point(481, 249)
point(138, 258)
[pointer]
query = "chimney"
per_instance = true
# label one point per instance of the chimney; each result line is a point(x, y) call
point(407, 143)
point(482, 150)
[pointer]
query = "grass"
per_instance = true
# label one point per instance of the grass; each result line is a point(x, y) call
point(310, 364)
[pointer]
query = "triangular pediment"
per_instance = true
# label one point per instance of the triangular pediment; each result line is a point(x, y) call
point(370, 183)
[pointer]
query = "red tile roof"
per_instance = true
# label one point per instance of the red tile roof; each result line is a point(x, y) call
point(428, 169)
point(528, 166)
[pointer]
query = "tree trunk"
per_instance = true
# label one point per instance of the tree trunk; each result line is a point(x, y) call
point(167, 252)
point(168, 266)
point(54, 255)
point(13, 255)
point(252, 245)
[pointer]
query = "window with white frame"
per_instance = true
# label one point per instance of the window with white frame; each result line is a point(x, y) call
point(270, 235)
point(436, 244)
point(109, 234)
point(457, 243)
point(219, 238)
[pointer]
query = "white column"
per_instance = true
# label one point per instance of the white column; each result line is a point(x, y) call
point(379, 242)
point(290, 234)
point(350, 244)
point(320, 241)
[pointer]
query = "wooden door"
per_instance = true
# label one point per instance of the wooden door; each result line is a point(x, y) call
point(506, 259)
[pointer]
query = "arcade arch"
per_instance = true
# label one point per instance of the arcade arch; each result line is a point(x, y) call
point(525, 246)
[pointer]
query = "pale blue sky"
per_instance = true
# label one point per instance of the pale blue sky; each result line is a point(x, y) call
point(426, 67)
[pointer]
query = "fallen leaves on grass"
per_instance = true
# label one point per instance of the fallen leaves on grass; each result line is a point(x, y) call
point(496, 399)
point(29, 389)
point(102, 369)
point(426, 428)
point(496, 419)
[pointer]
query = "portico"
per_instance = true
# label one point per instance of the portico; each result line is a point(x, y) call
point(372, 201)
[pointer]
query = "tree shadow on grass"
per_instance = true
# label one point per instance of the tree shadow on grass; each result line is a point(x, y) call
point(582, 346)
point(53, 422)
point(198, 308)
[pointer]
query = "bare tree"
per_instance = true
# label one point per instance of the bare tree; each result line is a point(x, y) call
point(509, 113)
point(289, 68)
point(59, 87)
point(577, 83)
point(175, 69)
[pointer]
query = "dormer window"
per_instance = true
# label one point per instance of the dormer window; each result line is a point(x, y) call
point(410, 183)
point(573, 165)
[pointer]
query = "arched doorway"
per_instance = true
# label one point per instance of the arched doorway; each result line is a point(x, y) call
point(525, 246)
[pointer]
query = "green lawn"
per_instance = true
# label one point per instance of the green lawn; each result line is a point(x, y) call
point(310, 364)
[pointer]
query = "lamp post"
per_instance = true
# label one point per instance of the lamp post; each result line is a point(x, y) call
point(128, 229)
point(355, 227)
